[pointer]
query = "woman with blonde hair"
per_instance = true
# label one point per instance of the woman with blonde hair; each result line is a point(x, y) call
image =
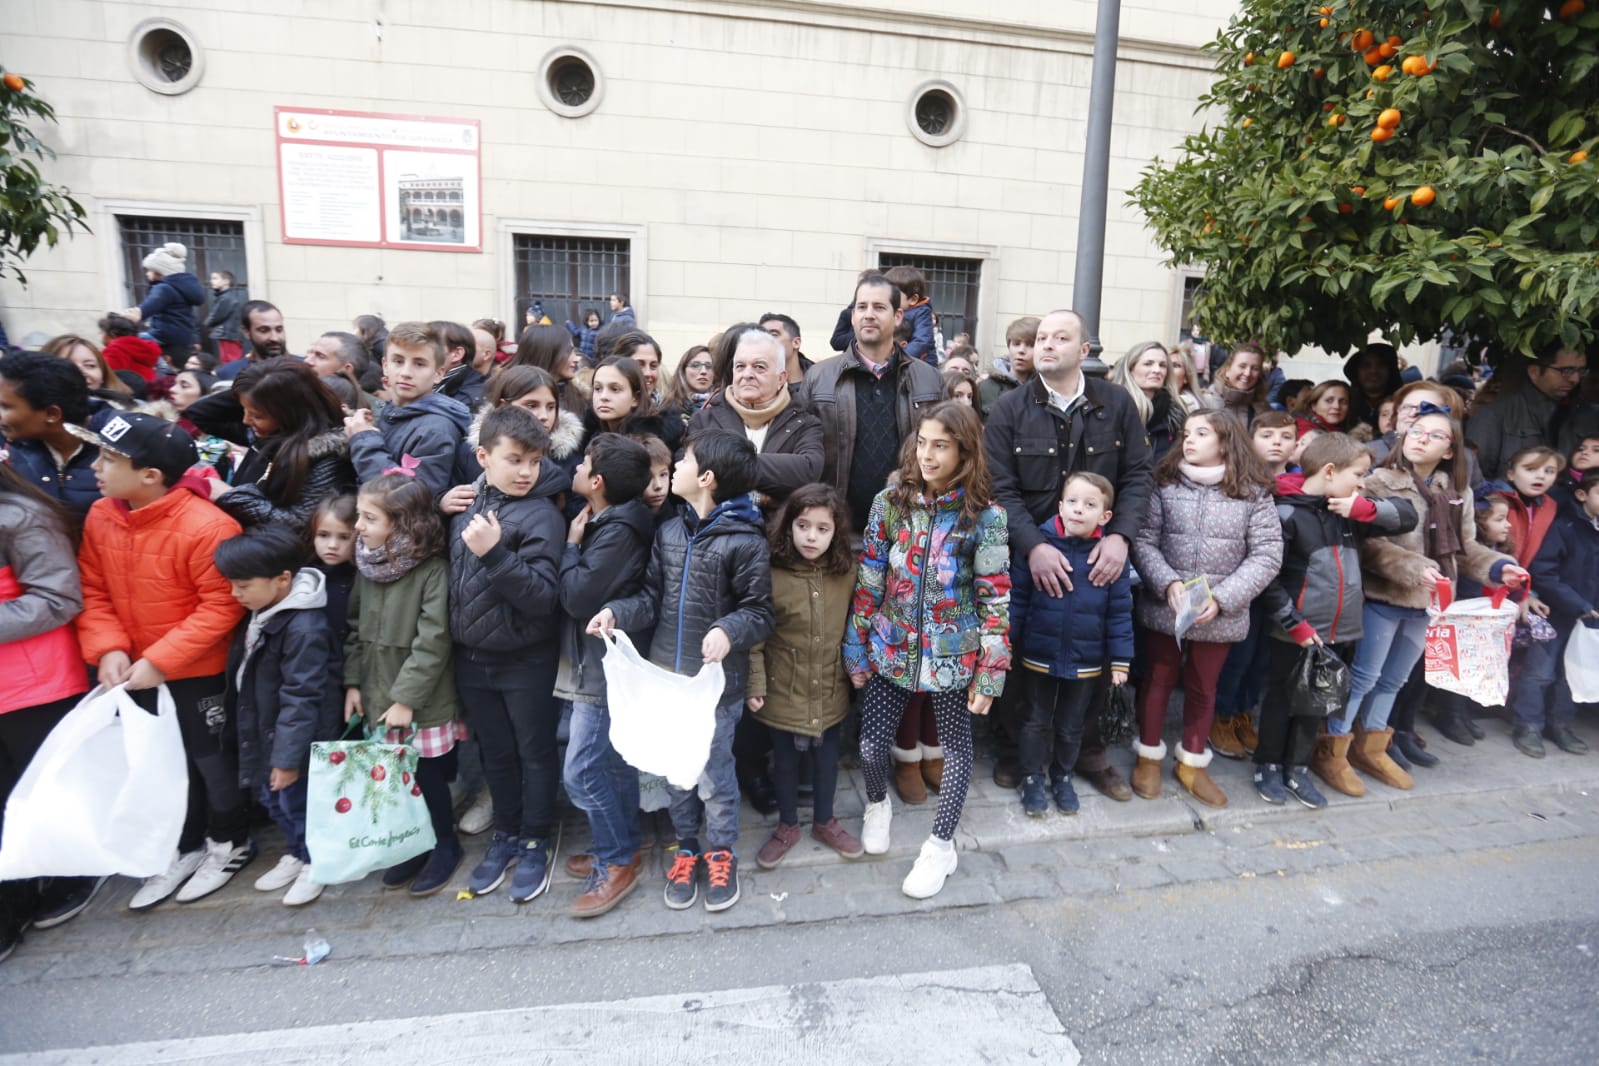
point(1240, 385)
point(86, 356)
point(1145, 372)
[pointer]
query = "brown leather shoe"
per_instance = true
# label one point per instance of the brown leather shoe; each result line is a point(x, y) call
point(777, 845)
point(1224, 738)
point(1244, 730)
point(1330, 762)
point(1191, 774)
point(1107, 782)
point(603, 897)
point(1007, 772)
point(579, 865)
point(1146, 772)
point(933, 766)
point(1369, 755)
point(839, 839)
point(908, 775)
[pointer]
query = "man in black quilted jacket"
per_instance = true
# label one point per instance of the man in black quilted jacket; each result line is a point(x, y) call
point(708, 595)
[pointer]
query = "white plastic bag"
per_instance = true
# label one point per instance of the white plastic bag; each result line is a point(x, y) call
point(661, 722)
point(1582, 664)
point(1468, 646)
point(106, 793)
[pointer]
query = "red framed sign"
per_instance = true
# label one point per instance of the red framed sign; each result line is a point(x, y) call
point(368, 180)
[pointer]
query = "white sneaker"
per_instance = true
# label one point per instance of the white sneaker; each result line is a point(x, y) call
point(480, 815)
point(156, 889)
point(874, 826)
point(304, 889)
point(280, 876)
point(222, 861)
point(933, 865)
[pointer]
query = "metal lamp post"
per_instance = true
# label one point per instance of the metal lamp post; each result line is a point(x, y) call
point(1090, 277)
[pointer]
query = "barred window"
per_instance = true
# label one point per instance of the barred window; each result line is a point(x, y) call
point(569, 275)
point(213, 244)
point(952, 286)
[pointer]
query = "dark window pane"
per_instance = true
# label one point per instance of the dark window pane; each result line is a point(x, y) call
point(569, 275)
point(213, 244)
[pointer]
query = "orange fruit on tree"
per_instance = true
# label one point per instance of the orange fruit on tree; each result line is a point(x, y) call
point(1391, 202)
point(1389, 118)
point(1382, 72)
point(1358, 190)
point(1381, 133)
point(1285, 61)
point(1571, 9)
point(1328, 106)
point(1325, 10)
point(1494, 20)
point(1579, 156)
point(1396, 40)
point(1362, 40)
point(1336, 120)
point(1423, 196)
point(1249, 59)
point(1323, 23)
point(1388, 49)
point(1370, 93)
point(1247, 123)
point(1345, 209)
point(1374, 56)
point(15, 83)
point(1317, 73)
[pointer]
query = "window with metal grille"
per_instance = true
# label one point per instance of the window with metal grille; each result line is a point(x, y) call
point(952, 286)
point(569, 275)
point(213, 244)
point(1185, 318)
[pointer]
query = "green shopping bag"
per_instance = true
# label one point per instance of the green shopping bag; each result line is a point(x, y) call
point(364, 808)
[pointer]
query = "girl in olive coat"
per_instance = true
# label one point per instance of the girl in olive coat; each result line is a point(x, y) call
point(797, 682)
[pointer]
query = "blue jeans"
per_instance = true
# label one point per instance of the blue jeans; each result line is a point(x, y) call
point(720, 807)
point(1539, 695)
point(602, 785)
point(1242, 683)
point(287, 808)
point(1391, 644)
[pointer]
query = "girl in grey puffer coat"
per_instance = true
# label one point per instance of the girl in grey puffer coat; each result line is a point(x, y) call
point(1212, 513)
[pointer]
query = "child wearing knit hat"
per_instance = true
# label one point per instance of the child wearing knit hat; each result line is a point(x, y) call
point(167, 311)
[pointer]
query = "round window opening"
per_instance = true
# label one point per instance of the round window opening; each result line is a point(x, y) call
point(937, 114)
point(570, 82)
point(165, 57)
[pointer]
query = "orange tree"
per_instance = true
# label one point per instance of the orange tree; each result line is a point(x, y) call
point(1406, 166)
point(32, 210)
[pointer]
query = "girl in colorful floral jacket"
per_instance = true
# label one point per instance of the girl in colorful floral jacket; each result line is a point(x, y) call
point(931, 613)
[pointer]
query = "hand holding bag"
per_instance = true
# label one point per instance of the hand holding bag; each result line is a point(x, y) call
point(661, 722)
point(1468, 645)
point(106, 793)
point(364, 808)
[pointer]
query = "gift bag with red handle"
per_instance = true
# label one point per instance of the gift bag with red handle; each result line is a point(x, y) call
point(1468, 645)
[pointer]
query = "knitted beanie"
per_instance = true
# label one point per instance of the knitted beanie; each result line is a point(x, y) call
point(167, 259)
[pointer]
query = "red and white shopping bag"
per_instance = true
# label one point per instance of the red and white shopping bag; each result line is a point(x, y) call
point(1468, 645)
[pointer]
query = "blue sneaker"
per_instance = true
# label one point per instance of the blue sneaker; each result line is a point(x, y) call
point(1297, 779)
point(1065, 795)
point(1269, 783)
point(501, 856)
point(1035, 800)
point(532, 874)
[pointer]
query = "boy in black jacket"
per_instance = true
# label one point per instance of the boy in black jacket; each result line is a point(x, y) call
point(708, 593)
point(1567, 580)
point(1316, 598)
point(607, 549)
point(505, 548)
point(283, 687)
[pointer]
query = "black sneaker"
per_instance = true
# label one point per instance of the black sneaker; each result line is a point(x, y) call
point(1527, 741)
point(439, 868)
point(1035, 800)
point(1560, 736)
point(533, 870)
point(1297, 780)
point(403, 874)
point(1065, 795)
point(682, 879)
point(1416, 754)
point(504, 849)
point(721, 877)
point(65, 899)
point(1472, 726)
point(1269, 783)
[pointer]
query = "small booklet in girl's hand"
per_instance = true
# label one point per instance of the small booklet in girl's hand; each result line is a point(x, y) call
point(1196, 597)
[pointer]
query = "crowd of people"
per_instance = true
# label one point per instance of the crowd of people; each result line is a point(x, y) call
point(437, 531)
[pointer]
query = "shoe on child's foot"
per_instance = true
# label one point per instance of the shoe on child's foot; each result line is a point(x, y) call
point(1035, 800)
point(1473, 726)
point(1244, 730)
point(935, 863)
point(64, 899)
point(1224, 738)
point(1527, 741)
point(404, 873)
point(782, 839)
point(439, 868)
point(501, 856)
point(1065, 795)
point(721, 879)
point(479, 816)
point(838, 838)
point(222, 861)
point(280, 876)
point(304, 890)
point(1269, 783)
point(1297, 780)
point(1559, 734)
point(682, 879)
point(874, 826)
point(533, 871)
point(160, 887)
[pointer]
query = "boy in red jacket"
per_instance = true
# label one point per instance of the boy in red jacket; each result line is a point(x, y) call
point(156, 612)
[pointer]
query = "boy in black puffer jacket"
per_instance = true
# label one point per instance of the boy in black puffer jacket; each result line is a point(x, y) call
point(708, 593)
point(505, 553)
point(283, 687)
point(1316, 598)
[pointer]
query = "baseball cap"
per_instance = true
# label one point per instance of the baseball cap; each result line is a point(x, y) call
point(149, 441)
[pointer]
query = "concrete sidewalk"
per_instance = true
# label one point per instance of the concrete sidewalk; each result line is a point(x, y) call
point(1481, 797)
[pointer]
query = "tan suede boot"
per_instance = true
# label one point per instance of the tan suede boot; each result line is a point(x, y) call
point(908, 775)
point(1369, 755)
point(1146, 773)
point(933, 766)
point(1330, 762)
point(1191, 774)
